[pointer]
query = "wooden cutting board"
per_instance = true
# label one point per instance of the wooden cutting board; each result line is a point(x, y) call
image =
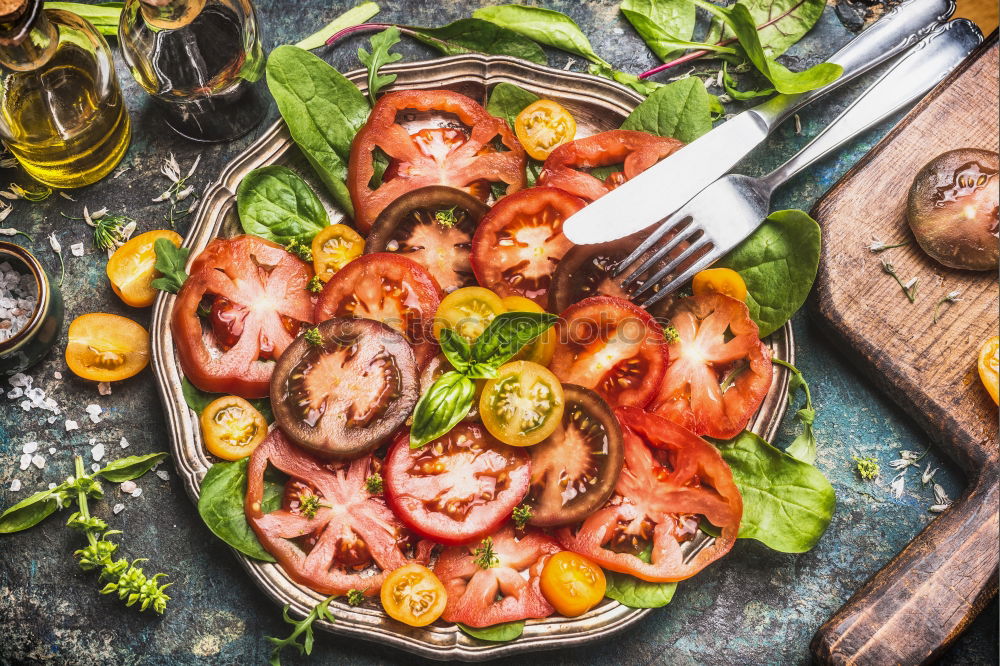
point(914, 607)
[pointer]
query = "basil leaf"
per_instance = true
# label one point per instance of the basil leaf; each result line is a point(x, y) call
point(221, 506)
point(354, 16)
point(476, 35)
point(778, 262)
point(170, 262)
point(198, 400)
point(641, 86)
point(444, 404)
point(498, 633)
point(132, 467)
point(104, 16)
point(381, 43)
point(679, 110)
point(274, 203)
point(456, 349)
point(665, 25)
point(507, 100)
point(784, 23)
point(323, 111)
point(634, 593)
point(545, 26)
point(730, 86)
point(787, 504)
point(507, 334)
point(30, 511)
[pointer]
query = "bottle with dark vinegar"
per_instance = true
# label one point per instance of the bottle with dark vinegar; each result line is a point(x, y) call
point(200, 60)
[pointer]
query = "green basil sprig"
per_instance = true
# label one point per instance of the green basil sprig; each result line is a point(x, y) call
point(449, 398)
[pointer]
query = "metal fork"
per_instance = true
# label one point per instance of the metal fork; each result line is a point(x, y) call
point(730, 209)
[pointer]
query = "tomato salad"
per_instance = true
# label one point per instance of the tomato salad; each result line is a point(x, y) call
point(442, 441)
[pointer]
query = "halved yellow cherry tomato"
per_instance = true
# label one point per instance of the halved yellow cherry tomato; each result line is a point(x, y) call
point(131, 268)
point(467, 311)
point(989, 367)
point(542, 126)
point(232, 427)
point(539, 351)
point(572, 583)
point(333, 248)
point(720, 281)
point(523, 404)
point(413, 595)
point(106, 347)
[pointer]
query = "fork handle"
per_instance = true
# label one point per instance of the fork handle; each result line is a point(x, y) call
point(896, 31)
point(922, 68)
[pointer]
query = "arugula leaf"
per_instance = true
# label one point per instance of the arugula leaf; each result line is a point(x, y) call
point(380, 55)
point(679, 110)
point(276, 204)
point(220, 505)
point(778, 262)
point(506, 100)
point(304, 626)
point(545, 26)
point(476, 35)
point(170, 262)
point(352, 17)
point(132, 467)
point(787, 504)
point(445, 403)
point(803, 447)
point(323, 111)
point(506, 335)
point(498, 633)
point(635, 593)
point(730, 86)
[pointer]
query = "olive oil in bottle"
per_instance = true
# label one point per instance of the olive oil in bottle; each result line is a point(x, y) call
point(61, 113)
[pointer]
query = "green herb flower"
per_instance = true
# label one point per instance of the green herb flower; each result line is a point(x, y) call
point(521, 515)
point(868, 467)
point(485, 557)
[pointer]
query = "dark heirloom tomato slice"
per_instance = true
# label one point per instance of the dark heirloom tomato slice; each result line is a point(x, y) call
point(507, 592)
point(433, 226)
point(433, 158)
point(520, 241)
point(719, 369)
point(262, 299)
point(345, 394)
point(612, 346)
point(568, 165)
point(388, 288)
point(671, 479)
point(574, 470)
point(458, 488)
point(330, 526)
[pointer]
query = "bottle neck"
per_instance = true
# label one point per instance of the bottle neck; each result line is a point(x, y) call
point(170, 14)
point(28, 42)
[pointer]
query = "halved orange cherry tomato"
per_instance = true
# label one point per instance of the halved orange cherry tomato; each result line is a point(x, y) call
point(523, 404)
point(232, 427)
point(413, 595)
point(131, 268)
point(542, 126)
point(333, 248)
point(572, 583)
point(544, 346)
point(468, 311)
point(106, 347)
point(989, 367)
point(720, 281)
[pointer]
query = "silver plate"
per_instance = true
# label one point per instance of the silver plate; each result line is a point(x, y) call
point(597, 105)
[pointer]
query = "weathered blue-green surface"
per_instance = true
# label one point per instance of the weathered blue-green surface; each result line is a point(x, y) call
point(756, 606)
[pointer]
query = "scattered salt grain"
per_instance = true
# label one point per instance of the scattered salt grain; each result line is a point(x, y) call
point(117, 508)
point(163, 474)
point(128, 486)
point(52, 419)
point(136, 493)
point(15, 485)
point(18, 297)
point(25, 461)
point(57, 374)
point(104, 388)
point(76, 249)
point(94, 467)
point(72, 425)
point(52, 486)
point(30, 447)
point(97, 452)
point(123, 443)
point(52, 450)
point(94, 412)
point(15, 393)
point(38, 461)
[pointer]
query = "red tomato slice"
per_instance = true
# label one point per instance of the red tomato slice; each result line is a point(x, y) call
point(262, 289)
point(568, 165)
point(671, 479)
point(612, 346)
point(473, 591)
point(458, 488)
point(349, 528)
point(520, 242)
point(433, 158)
point(388, 288)
point(719, 369)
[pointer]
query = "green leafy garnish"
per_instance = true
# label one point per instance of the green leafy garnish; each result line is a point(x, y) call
point(315, 284)
point(475, 35)
point(380, 55)
point(221, 506)
point(300, 250)
point(679, 110)
point(314, 337)
point(309, 504)
point(634, 593)
point(666, 26)
point(441, 407)
point(545, 26)
point(803, 447)
point(521, 515)
point(742, 95)
point(110, 231)
point(170, 262)
point(355, 597)
point(497, 633)
point(484, 556)
point(276, 204)
point(373, 484)
point(446, 218)
point(508, 100)
point(868, 467)
point(670, 334)
point(304, 626)
point(352, 17)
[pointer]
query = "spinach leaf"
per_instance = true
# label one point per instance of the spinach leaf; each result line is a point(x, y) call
point(323, 111)
point(498, 633)
point(132, 467)
point(780, 23)
point(170, 262)
point(679, 110)
point(274, 203)
point(730, 86)
point(103, 16)
point(787, 504)
point(223, 492)
point(476, 35)
point(30, 511)
point(778, 262)
point(380, 55)
point(665, 25)
point(545, 26)
point(354, 16)
point(444, 404)
point(803, 447)
point(634, 593)
point(198, 400)
point(507, 100)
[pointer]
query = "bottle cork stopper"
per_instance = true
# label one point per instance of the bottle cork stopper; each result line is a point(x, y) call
point(11, 10)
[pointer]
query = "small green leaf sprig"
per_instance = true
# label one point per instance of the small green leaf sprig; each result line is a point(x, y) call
point(802, 447)
point(381, 44)
point(302, 628)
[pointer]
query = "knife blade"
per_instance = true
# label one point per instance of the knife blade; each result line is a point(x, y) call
point(665, 187)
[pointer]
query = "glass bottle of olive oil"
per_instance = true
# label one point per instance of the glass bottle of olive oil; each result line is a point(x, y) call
point(61, 111)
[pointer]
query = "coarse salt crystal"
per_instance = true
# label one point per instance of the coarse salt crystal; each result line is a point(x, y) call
point(93, 409)
point(97, 452)
point(52, 486)
point(57, 374)
point(15, 392)
point(38, 461)
point(128, 486)
point(72, 425)
point(52, 450)
point(123, 443)
point(118, 508)
point(15, 485)
point(76, 249)
point(30, 447)
point(94, 418)
point(163, 474)
point(94, 467)
point(104, 388)
point(52, 419)
point(136, 493)
point(25, 461)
